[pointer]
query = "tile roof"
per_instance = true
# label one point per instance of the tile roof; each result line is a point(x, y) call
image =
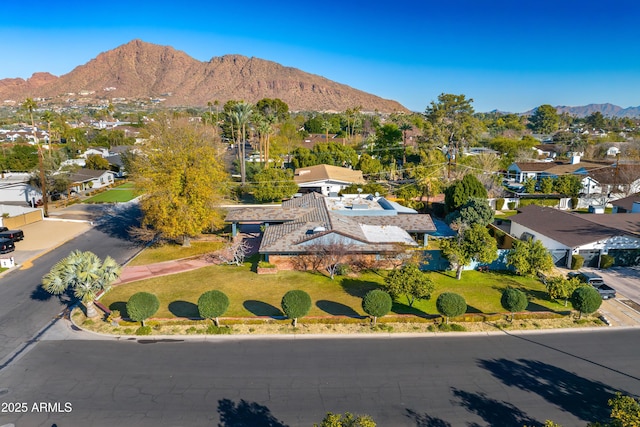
point(327, 172)
point(307, 218)
point(567, 228)
point(624, 174)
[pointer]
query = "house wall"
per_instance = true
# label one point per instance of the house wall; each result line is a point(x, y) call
point(549, 243)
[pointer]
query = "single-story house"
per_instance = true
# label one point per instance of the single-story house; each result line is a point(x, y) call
point(326, 179)
point(590, 235)
point(364, 226)
point(86, 179)
point(616, 181)
point(630, 204)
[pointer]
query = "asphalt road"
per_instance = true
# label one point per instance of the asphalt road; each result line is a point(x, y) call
point(25, 309)
point(488, 380)
point(625, 280)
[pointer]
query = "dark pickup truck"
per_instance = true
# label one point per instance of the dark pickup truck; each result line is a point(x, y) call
point(605, 291)
point(6, 246)
point(15, 235)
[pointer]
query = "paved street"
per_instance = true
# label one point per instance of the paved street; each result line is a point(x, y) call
point(489, 380)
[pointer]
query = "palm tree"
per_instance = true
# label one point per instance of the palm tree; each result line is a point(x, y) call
point(30, 105)
point(85, 274)
point(404, 127)
point(264, 130)
point(241, 114)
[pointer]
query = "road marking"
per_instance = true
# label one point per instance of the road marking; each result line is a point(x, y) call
point(26, 265)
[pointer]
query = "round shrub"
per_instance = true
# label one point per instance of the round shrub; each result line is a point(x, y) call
point(143, 330)
point(499, 204)
point(450, 304)
point(606, 261)
point(514, 300)
point(377, 303)
point(213, 304)
point(296, 304)
point(586, 299)
point(141, 306)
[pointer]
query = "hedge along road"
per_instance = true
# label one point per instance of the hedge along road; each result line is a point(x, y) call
point(449, 380)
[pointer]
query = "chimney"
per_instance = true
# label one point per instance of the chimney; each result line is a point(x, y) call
point(575, 158)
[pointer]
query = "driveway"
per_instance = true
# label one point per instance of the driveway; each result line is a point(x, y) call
point(625, 280)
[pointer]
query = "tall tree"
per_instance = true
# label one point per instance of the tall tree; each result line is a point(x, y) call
point(241, 115)
point(30, 105)
point(460, 192)
point(85, 274)
point(180, 174)
point(545, 119)
point(453, 124)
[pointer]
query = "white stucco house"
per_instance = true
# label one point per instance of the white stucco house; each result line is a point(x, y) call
point(589, 235)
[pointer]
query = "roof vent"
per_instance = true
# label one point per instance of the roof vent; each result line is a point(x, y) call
point(319, 229)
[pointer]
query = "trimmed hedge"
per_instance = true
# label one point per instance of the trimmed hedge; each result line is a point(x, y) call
point(577, 261)
point(606, 261)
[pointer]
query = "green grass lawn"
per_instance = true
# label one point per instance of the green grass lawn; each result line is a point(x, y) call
point(172, 251)
point(251, 294)
point(122, 193)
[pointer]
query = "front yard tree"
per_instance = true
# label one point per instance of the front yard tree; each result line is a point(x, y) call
point(471, 243)
point(514, 300)
point(569, 185)
point(560, 288)
point(85, 274)
point(475, 211)
point(97, 162)
point(545, 119)
point(213, 304)
point(377, 303)
point(410, 282)
point(529, 257)
point(450, 304)
point(586, 299)
point(296, 304)
point(274, 184)
point(141, 306)
point(181, 177)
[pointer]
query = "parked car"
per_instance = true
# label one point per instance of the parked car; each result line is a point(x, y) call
point(605, 291)
point(6, 246)
point(15, 235)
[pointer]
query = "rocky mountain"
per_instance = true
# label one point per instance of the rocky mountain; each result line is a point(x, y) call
point(140, 70)
point(607, 110)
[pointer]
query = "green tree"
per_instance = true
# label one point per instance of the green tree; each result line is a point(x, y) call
point(450, 304)
point(389, 143)
point(213, 304)
point(276, 108)
point(453, 124)
point(97, 162)
point(545, 119)
point(295, 304)
point(475, 211)
point(461, 191)
point(514, 300)
point(369, 166)
point(182, 179)
point(472, 242)
point(377, 303)
point(561, 288)
point(569, 185)
point(530, 185)
point(240, 116)
point(586, 299)
point(273, 184)
point(529, 257)
point(410, 282)
point(141, 306)
point(346, 420)
point(85, 274)
point(546, 185)
point(625, 411)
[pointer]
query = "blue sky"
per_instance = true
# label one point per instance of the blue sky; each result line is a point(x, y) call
point(505, 55)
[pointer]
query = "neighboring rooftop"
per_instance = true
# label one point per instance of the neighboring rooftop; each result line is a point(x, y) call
point(328, 172)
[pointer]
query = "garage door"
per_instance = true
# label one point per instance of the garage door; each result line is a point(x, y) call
point(591, 258)
point(560, 257)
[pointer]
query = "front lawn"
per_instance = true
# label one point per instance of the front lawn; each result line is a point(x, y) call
point(173, 251)
point(122, 193)
point(251, 294)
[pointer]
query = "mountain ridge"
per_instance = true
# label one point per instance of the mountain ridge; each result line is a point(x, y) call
point(142, 70)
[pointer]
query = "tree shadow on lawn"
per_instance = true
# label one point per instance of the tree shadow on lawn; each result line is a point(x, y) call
point(259, 308)
point(472, 310)
point(359, 288)
point(402, 308)
point(336, 308)
point(184, 309)
point(121, 307)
